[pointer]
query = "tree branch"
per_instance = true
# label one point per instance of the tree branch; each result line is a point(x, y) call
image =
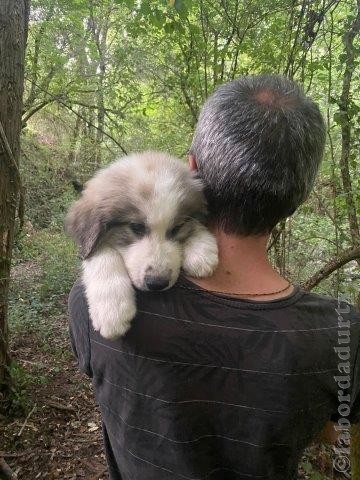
point(34, 110)
point(346, 127)
point(339, 261)
point(54, 98)
point(93, 125)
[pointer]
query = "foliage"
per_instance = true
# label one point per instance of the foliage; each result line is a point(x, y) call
point(40, 285)
point(113, 76)
point(105, 78)
point(54, 263)
point(18, 396)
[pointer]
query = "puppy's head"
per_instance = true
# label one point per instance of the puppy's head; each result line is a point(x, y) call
point(144, 206)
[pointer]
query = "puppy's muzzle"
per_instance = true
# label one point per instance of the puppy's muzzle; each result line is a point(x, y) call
point(156, 283)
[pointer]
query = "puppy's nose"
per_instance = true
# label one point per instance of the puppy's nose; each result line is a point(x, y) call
point(156, 283)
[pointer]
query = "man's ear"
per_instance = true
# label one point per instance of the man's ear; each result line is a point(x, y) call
point(192, 163)
point(84, 224)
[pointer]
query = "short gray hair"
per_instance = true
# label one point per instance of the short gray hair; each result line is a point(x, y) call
point(258, 145)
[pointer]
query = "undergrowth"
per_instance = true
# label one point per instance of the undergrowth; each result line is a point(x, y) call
point(45, 265)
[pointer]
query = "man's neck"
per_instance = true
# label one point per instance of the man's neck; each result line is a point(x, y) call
point(244, 268)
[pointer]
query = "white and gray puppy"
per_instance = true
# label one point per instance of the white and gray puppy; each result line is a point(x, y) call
point(137, 223)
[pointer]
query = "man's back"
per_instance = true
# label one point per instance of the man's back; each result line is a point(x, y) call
point(208, 387)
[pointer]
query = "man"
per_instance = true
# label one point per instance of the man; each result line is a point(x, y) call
point(232, 376)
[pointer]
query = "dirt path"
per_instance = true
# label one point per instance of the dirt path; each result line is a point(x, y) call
point(61, 438)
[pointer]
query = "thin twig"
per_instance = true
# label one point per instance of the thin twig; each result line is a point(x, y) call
point(26, 420)
point(66, 105)
point(99, 474)
point(13, 455)
point(59, 406)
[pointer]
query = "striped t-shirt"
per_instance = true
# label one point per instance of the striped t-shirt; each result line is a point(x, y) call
point(205, 387)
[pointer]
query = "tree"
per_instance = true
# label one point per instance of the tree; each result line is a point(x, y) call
point(14, 16)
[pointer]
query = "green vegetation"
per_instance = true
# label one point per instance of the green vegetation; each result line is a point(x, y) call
point(46, 273)
point(113, 76)
point(105, 78)
point(45, 268)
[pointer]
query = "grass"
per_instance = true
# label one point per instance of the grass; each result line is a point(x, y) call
point(45, 266)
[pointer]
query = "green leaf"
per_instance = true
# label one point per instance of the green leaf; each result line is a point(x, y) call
point(342, 58)
point(128, 3)
point(181, 8)
point(338, 118)
point(307, 467)
point(316, 476)
point(169, 27)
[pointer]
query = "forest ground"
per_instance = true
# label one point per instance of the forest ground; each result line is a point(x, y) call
point(59, 434)
point(54, 431)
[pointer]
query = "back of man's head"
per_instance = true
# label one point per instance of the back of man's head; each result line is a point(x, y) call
point(258, 144)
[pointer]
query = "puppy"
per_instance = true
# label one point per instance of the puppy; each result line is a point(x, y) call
point(137, 223)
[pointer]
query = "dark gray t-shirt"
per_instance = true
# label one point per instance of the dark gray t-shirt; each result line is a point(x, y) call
point(205, 387)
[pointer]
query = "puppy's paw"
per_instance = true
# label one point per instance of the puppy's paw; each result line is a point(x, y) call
point(112, 331)
point(113, 320)
point(200, 255)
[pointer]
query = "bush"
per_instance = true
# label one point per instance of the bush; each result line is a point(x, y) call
point(46, 265)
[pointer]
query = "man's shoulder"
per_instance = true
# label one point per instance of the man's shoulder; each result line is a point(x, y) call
point(340, 305)
point(337, 317)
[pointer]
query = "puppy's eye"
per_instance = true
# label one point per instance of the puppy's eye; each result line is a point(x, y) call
point(138, 229)
point(175, 230)
point(114, 224)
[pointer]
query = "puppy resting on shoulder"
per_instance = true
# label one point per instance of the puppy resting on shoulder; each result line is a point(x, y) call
point(137, 223)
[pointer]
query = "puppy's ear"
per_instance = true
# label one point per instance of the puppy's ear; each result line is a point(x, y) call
point(84, 224)
point(196, 199)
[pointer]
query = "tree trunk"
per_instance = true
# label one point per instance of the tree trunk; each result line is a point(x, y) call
point(100, 28)
point(345, 122)
point(73, 149)
point(35, 61)
point(14, 16)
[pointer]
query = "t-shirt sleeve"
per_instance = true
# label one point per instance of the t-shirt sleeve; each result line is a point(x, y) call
point(79, 322)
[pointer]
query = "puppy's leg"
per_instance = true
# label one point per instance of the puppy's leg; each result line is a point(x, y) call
point(200, 253)
point(109, 292)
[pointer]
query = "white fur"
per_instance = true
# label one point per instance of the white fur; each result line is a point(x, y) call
point(113, 269)
point(156, 252)
point(108, 275)
point(200, 253)
point(109, 293)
